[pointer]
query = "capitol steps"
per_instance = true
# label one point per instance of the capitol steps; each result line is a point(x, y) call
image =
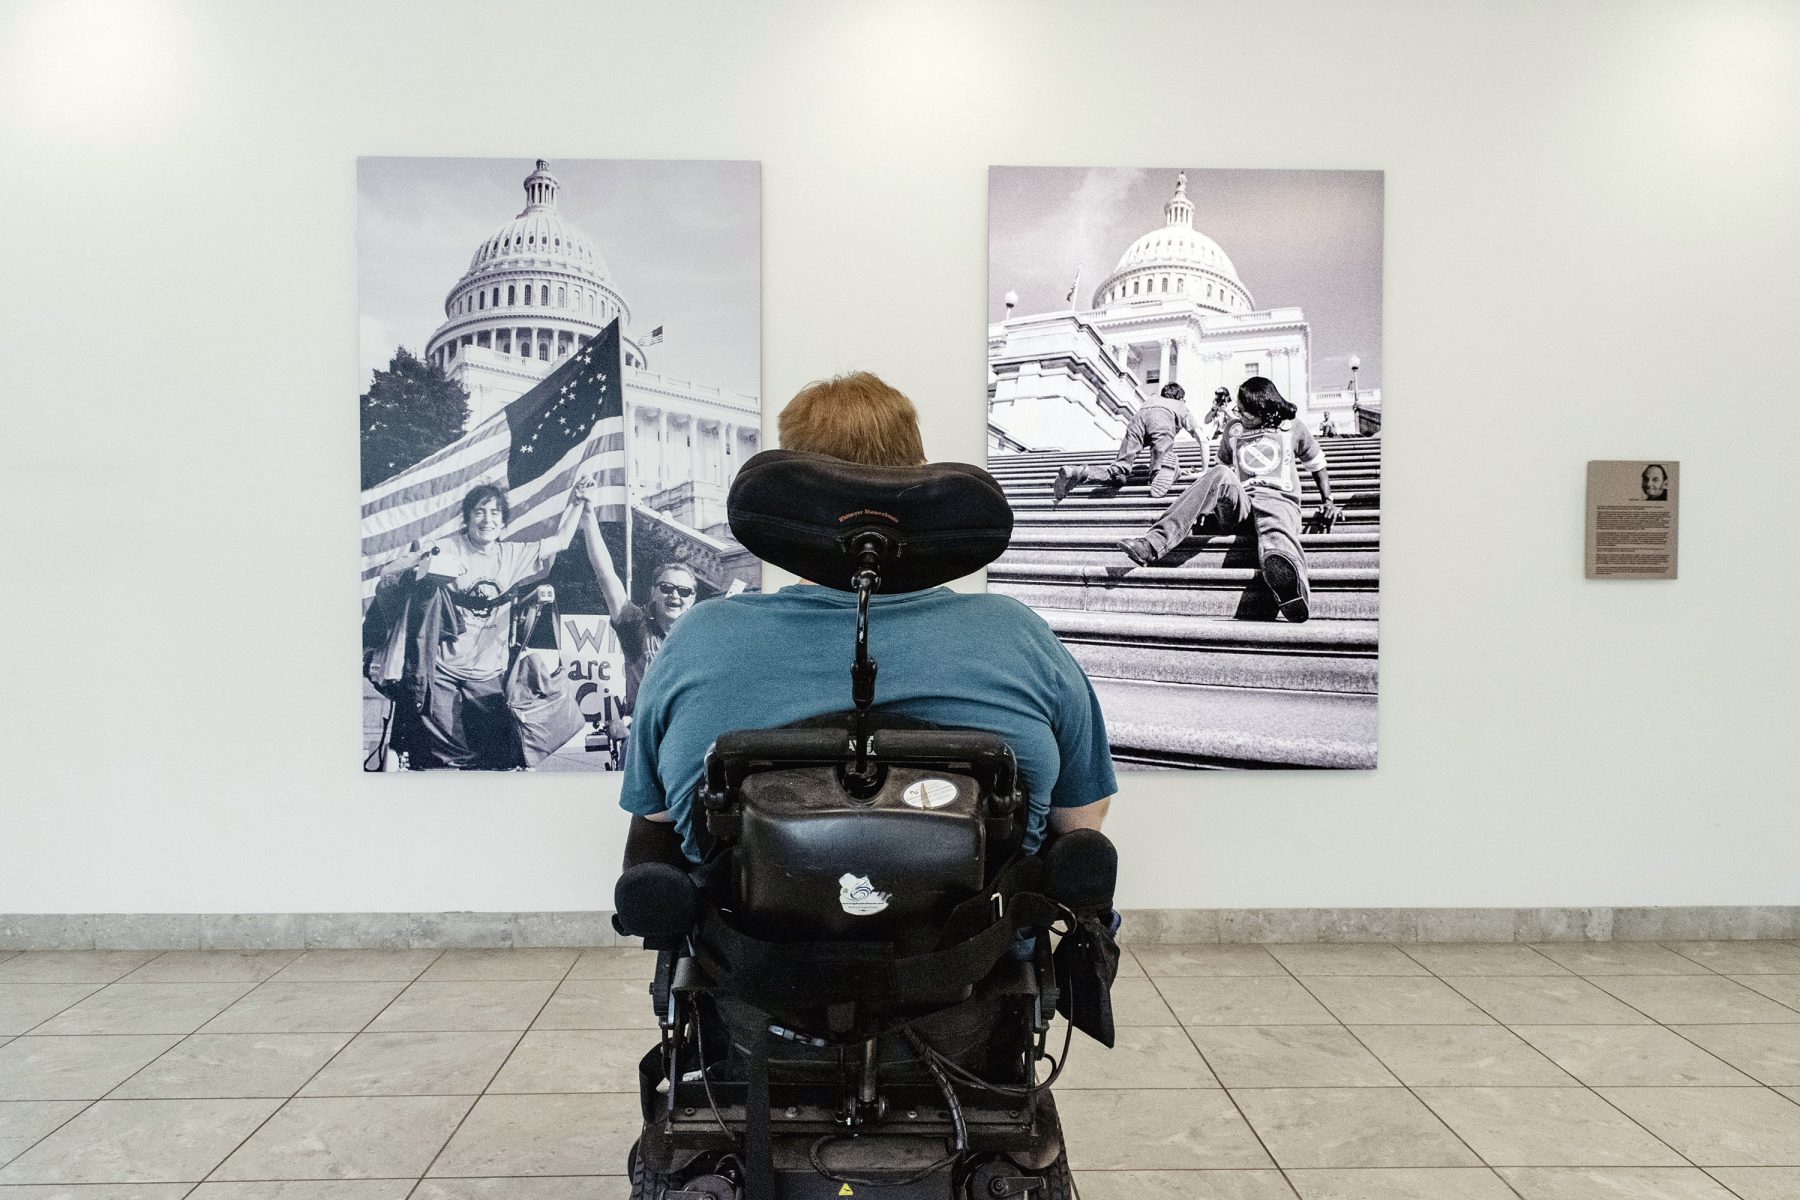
point(1190, 664)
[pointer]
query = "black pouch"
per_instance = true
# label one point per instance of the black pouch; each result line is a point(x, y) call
point(1087, 962)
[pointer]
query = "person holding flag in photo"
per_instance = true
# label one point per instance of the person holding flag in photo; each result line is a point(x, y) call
point(451, 543)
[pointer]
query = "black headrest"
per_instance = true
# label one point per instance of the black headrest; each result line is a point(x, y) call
point(803, 511)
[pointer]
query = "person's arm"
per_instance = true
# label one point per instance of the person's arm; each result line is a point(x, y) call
point(1313, 459)
point(1087, 816)
point(612, 588)
point(559, 541)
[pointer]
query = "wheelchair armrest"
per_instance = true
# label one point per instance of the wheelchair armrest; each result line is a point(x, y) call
point(657, 902)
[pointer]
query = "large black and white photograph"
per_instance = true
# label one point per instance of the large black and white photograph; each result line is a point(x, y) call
point(1184, 407)
point(560, 375)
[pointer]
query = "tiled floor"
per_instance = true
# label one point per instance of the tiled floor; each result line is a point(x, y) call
point(1614, 1071)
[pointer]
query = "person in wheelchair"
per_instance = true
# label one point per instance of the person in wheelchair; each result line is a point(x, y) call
point(840, 898)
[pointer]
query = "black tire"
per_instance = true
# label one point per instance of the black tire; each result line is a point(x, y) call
point(645, 1183)
point(1059, 1181)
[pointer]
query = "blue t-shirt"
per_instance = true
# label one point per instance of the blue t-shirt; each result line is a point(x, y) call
point(965, 661)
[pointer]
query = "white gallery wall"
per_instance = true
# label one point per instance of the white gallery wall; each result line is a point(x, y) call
point(1592, 252)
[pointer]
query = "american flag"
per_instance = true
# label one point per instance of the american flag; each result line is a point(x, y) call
point(571, 426)
point(654, 336)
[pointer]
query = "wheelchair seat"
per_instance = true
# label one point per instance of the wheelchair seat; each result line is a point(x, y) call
point(856, 987)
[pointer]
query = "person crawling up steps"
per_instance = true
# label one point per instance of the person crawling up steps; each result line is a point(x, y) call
point(1157, 423)
point(1255, 487)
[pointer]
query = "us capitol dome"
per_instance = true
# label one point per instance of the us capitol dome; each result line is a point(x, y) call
point(1173, 309)
point(1176, 260)
point(535, 291)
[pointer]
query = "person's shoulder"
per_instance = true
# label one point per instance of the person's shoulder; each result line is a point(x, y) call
point(990, 609)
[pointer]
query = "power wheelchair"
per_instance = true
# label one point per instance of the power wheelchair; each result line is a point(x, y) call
point(855, 990)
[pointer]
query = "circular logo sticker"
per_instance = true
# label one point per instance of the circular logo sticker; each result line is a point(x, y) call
point(929, 793)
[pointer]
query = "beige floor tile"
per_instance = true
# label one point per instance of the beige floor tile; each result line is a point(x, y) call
point(543, 1135)
point(72, 966)
point(1547, 1127)
point(1400, 1183)
point(212, 966)
point(1613, 1183)
point(1768, 1053)
point(1760, 1183)
point(562, 1187)
point(1619, 958)
point(1344, 959)
point(1139, 1002)
point(1481, 958)
point(146, 1008)
point(501, 964)
point(278, 1007)
point(140, 1141)
point(575, 1060)
point(1728, 958)
point(1129, 967)
point(1460, 1056)
point(26, 1005)
point(356, 1137)
point(222, 1066)
point(1726, 1127)
point(1545, 1000)
point(74, 1068)
point(466, 1005)
point(1243, 1001)
point(1182, 1185)
point(1694, 1000)
point(1630, 1056)
point(1350, 1127)
point(1304, 1056)
point(1792, 1093)
point(1783, 989)
point(1161, 962)
point(1393, 1000)
point(1156, 1131)
point(304, 1189)
point(598, 1004)
point(1143, 1056)
point(414, 1064)
point(356, 966)
point(94, 1191)
point(24, 1123)
point(616, 962)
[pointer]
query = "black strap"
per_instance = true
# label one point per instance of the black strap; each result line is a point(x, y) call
point(788, 975)
point(759, 1146)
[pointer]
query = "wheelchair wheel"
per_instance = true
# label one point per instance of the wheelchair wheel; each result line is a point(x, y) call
point(645, 1183)
point(991, 1178)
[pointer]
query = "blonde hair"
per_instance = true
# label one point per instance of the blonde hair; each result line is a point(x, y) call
point(855, 417)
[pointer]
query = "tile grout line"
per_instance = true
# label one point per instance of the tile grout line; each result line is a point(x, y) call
point(1416, 1098)
point(1235, 1106)
point(423, 1175)
point(260, 1125)
point(1583, 1083)
point(95, 1100)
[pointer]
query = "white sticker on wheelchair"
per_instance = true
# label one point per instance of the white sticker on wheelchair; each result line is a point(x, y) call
point(859, 897)
point(929, 793)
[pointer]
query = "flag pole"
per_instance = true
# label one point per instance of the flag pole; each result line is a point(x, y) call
point(628, 422)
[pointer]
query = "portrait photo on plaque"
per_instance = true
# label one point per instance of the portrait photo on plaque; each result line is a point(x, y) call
point(1632, 507)
point(1184, 403)
point(560, 376)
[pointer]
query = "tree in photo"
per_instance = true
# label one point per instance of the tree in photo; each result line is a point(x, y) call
point(410, 410)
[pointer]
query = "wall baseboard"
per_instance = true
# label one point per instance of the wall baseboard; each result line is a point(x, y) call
point(1143, 926)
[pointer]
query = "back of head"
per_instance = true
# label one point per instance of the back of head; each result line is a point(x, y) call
point(1173, 391)
point(1261, 399)
point(855, 417)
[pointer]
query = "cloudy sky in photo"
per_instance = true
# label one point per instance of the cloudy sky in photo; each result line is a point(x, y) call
point(1310, 239)
point(681, 240)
